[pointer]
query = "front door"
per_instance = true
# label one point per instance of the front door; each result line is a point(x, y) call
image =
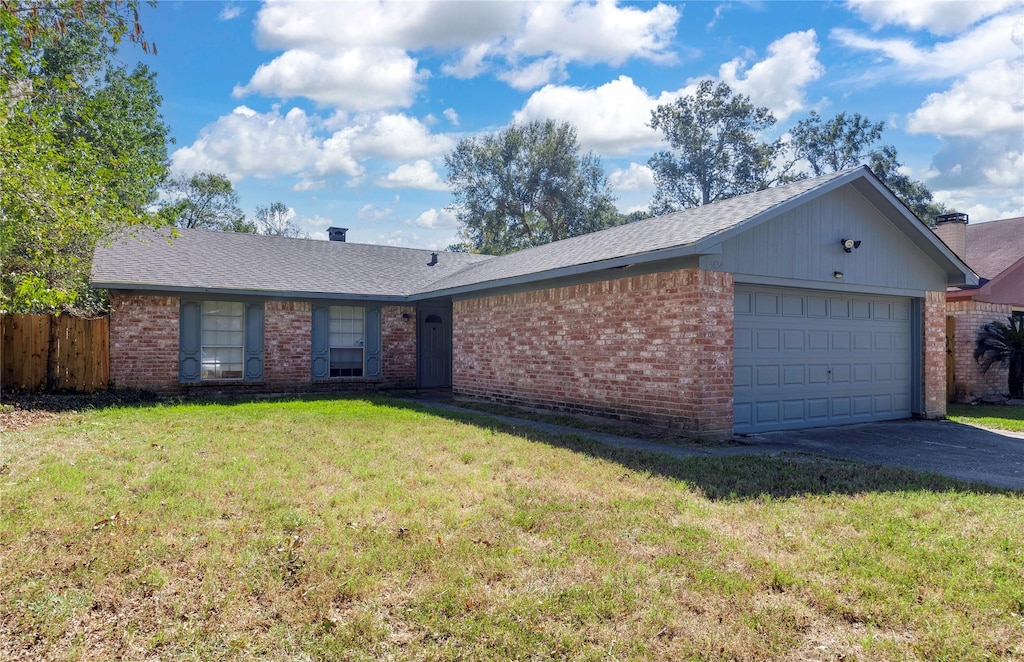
point(434, 343)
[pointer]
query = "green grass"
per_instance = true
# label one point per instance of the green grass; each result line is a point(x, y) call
point(998, 417)
point(372, 529)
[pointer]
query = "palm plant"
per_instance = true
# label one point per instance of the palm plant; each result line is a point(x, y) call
point(1003, 343)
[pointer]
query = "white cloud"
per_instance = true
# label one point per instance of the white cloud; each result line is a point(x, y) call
point(611, 119)
point(779, 80)
point(355, 78)
point(250, 144)
point(357, 54)
point(940, 17)
point(309, 185)
point(470, 64)
point(230, 12)
point(371, 212)
point(420, 174)
point(535, 74)
point(999, 38)
point(636, 177)
point(451, 116)
point(436, 218)
point(400, 137)
point(599, 32)
point(987, 100)
point(985, 170)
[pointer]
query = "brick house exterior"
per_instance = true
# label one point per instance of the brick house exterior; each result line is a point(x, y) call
point(995, 251)
point(638, 322)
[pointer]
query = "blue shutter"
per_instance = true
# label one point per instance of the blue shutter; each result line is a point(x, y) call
point(372, 344)
point(190, 348)
point(254, 342)
point(320, 353)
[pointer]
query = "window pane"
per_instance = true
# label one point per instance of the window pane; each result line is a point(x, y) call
point(222, 339)
point(346, 326)
point(346, 362)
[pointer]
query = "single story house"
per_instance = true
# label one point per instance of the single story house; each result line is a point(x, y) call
point(995, 251)
point(817, 303)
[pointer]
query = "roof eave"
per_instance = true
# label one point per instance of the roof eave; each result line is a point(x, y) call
point(273, 294)
point(563, 272)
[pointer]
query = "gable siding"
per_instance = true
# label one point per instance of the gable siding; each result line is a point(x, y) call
point(803, 244)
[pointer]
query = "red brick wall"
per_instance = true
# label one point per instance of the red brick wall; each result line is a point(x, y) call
point(654, 348)
point(970, 383)
point(934, 346)
point(144, 342)
point(288, 342)
point(144, 348)
point(398, 340)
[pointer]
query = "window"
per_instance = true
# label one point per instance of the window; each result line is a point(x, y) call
point(223, 339)
point(220, 341)
point(346, 332)
point(346, 342)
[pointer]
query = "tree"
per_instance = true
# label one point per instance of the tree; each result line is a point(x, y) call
point(204, 200)
point(715, 152)
point(525, 186)
point(846, 141)
point(1003, 343)
point(275, 220)
point(82, 145)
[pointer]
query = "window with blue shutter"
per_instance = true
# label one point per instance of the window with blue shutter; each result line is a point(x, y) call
point(346, 342)
point(221, 341)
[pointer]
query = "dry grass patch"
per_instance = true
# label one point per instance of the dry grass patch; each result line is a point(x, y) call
point(375, 529)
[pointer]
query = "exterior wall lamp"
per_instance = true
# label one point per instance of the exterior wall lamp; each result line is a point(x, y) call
point(849, 244)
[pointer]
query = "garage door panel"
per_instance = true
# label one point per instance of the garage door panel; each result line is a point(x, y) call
point(803, 358)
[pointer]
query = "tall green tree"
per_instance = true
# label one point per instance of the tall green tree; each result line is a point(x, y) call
point(275, 220)
point(527, 185)
point(1003, 343)
point(82, 145)
point(204, 200)
point(715, 150)
point(847, 141)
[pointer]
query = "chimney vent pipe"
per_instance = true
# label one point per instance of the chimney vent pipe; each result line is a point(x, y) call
point(433, 260)
point(336, 234)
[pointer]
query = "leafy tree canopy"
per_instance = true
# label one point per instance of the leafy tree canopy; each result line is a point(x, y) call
point(525, 186)
point(715, 150)
point(82, 145)
point(203, 200)
point(275, 220)
point(846, 141)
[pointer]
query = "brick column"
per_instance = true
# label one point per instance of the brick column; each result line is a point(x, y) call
point(398, 338)
point(934, 327)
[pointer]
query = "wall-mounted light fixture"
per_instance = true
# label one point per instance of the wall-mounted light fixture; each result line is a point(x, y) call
point(838, 275)
point(849, 244)
point(405, 316)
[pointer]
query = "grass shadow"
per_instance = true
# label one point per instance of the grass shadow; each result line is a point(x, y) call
point(739, 476)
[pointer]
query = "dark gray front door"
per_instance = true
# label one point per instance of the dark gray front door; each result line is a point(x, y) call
point(434, 343)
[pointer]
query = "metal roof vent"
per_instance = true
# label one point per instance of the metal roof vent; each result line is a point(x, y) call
point(336, 234)
point(433, 260)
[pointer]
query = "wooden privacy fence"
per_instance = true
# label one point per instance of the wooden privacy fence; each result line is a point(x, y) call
point(49, 352)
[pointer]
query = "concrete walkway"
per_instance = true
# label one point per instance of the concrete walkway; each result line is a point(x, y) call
point(943, 447)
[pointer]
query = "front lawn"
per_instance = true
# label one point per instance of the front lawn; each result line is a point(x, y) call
point(997, 417)
point(375, 529)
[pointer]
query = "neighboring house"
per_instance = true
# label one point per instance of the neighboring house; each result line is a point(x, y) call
point(995, 251)
point(816, 303)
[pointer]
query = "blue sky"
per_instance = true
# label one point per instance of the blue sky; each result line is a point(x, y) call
point(344, 110)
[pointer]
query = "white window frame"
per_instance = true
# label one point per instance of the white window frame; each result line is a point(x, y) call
point(343, 337)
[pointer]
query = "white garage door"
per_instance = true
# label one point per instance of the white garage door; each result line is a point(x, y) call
point(805, 358)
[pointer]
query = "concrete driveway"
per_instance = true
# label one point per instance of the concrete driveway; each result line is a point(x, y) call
point(942, 447)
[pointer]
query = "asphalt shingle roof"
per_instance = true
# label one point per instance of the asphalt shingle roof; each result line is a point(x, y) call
point(204, 259)
point(995, 246)
point(681, 228)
